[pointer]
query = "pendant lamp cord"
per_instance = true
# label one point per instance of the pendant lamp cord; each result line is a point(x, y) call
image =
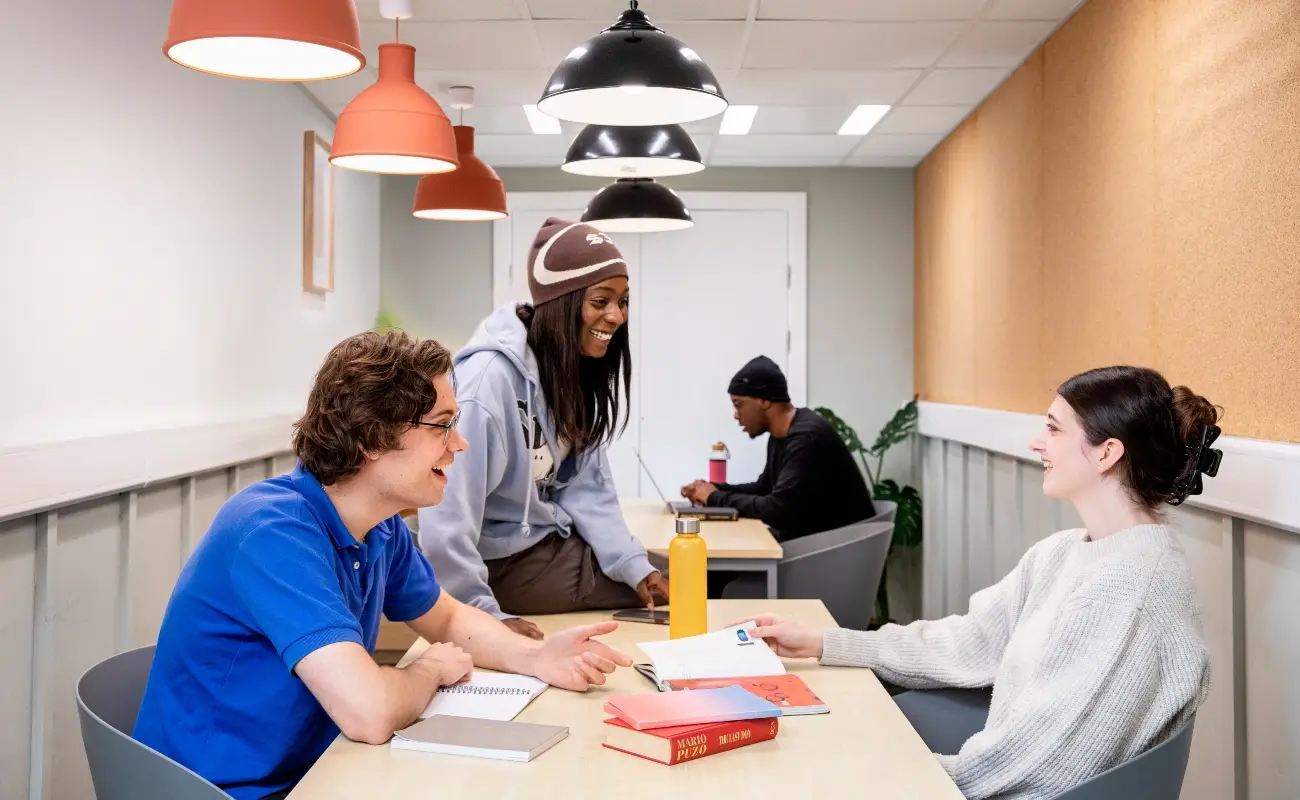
point(397, 29)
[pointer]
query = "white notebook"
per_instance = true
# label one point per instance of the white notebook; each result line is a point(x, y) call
point(729, 653)
point(486, 695)
point(479, 738)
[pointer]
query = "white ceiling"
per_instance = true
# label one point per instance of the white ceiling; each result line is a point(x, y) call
point(805, 63)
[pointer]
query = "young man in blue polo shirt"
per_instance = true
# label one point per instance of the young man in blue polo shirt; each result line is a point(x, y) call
point(265, 650)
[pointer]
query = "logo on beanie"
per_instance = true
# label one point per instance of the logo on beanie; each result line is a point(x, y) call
point(549, 277)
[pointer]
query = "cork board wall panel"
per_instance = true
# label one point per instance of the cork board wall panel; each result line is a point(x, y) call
point(923, 232)
point(1227, 289)
point(1008, 254)
point(1098, 134)
point(1168, 216)
point(949, 285)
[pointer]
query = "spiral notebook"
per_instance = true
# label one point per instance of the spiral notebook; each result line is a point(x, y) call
point(486, 695)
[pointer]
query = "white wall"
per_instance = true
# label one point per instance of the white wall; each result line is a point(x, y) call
point(150, 240)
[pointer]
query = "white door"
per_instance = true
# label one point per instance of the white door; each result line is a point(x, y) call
point(703, 302)
point(711, 298)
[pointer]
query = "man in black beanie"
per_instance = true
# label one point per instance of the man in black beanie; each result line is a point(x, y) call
point(810, 483)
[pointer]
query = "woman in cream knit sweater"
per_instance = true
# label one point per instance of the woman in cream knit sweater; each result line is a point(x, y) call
point(1093, 643)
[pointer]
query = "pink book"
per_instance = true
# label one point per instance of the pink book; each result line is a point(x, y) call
point(695, 707)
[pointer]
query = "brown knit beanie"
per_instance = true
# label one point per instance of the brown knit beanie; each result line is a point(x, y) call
point(567, 256)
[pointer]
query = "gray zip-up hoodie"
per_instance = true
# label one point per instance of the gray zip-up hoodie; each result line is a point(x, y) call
point(507, 492)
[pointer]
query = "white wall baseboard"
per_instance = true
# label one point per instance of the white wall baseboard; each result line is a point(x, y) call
point(1258, 480)
point(46, 476)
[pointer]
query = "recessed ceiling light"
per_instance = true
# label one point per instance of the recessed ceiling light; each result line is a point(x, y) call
point(736, 120)
point(541, 123)
point(862, 120)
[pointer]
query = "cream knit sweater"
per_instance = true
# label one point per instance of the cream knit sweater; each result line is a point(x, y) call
point(1093, 649)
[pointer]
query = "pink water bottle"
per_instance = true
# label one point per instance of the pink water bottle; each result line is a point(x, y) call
point(718, 463)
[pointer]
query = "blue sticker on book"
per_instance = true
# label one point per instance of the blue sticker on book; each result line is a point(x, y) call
point(744, 637)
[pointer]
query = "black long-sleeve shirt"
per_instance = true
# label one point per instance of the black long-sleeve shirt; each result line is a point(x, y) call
point(810, 483)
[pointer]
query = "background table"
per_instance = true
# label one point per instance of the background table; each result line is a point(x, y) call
point(743, 545)
point(864, 747)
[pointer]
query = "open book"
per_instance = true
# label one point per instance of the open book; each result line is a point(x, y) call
point(486, 695)
point(727, 653)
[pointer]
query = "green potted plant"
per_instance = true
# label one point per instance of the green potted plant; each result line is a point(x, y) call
point(907, 521)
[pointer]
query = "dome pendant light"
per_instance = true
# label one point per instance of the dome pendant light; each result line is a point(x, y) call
point(474, 192)
point(394, 126)
point(632, 73)
point(269, 40)
point(633, 151)
point(637, 205)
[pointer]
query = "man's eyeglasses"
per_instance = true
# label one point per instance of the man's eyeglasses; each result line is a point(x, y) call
point(447, 427)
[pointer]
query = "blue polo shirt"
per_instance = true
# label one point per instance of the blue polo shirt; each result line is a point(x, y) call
point(276, 577)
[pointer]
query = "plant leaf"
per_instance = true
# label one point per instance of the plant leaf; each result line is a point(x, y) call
point(896, 431)
point(843, 430)
point(907, 521)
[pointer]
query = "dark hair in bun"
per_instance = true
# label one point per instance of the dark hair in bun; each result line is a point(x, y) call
point(1162, 428)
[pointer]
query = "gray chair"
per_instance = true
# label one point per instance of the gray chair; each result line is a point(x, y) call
point(108, 700)
point(841, 567)
point(946, 718)
point(885, 511)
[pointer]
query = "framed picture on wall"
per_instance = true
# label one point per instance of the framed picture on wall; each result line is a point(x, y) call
point(317, 214)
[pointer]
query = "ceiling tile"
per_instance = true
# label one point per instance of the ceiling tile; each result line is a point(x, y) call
point(718, 43)
point(800, 119)
point(870, 10)
point(703, 126)
point(951, 87)
point(897, 144)
point(764, 87)
point(460, 45)
point(806, 162)
point(506, 87)
point(444, 10)
point(658, 11)
point(765, 145)
point(491, 120)
point(848, 45)
point(1054, 10)
point(922, 119)
point(996, 44)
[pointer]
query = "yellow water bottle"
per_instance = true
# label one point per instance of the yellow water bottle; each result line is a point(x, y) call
point(688, 602)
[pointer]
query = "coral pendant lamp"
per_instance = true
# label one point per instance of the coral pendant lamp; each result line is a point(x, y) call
point(474, 192)
point(269, 40)
point(394, 126)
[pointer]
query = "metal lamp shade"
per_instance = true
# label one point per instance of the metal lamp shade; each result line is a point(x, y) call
point(637, 205)
point(472, 193)
point(632, 73)
point(649, 151)
point(269, 40)
point(394, 126)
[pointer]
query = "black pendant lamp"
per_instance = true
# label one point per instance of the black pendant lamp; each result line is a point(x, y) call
point(632, 73)
point(637, 205)
point(640, 151)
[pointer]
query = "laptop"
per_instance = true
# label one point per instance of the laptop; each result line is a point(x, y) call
point(684, 509)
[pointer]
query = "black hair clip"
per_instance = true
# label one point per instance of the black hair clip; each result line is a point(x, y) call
point(1207, 459)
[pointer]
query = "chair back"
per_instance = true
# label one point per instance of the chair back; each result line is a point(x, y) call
point(840, 567)
point(121, 768)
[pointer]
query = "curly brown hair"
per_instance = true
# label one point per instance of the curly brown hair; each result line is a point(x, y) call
point(370, 390)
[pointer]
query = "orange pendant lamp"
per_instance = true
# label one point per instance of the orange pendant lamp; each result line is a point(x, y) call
point(394, 127)
point(474, 192)
point(269, 40)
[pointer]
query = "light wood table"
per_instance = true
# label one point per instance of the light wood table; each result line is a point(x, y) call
point(743, 545)
point(863, 747)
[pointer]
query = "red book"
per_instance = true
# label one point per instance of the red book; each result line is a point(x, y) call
point(787, 692)
point(688, 742)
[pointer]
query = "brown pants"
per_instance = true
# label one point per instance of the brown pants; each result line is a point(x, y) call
point(558, 575)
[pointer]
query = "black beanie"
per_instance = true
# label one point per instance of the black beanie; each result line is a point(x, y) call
point(761, 378)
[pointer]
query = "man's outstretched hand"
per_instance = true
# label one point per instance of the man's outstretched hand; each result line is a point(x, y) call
point(574, 660)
